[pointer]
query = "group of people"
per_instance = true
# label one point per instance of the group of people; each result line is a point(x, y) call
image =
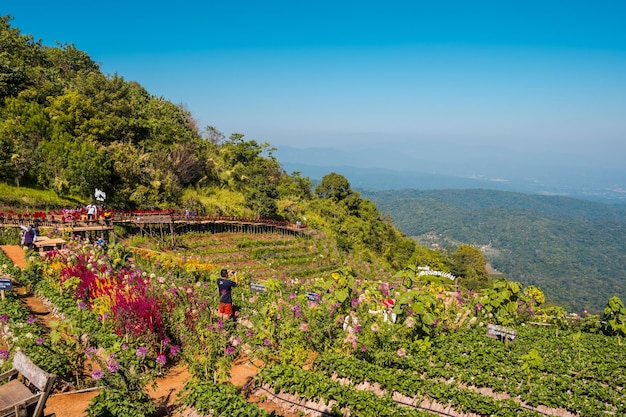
point(91, 212)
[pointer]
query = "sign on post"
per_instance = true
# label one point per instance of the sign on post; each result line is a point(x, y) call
point(312, 296)
point(255, 286)
point(501, 332)
point(5, 285)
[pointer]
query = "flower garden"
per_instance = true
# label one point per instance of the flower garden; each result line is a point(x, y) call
point(128, 316)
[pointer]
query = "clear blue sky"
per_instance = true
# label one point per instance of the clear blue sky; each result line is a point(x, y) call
point(529, 75)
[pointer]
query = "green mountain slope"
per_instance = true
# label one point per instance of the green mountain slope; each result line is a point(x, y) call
point(573, 249)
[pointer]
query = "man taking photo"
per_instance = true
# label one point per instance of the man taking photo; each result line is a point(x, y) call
point(225, 283)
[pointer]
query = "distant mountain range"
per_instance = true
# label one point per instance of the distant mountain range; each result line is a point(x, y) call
point(573, 249)
point(402, 165)
point(548, 220)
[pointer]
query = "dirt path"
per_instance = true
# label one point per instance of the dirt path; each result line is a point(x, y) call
point(16, 254)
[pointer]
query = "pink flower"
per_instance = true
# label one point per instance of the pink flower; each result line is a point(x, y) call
point(230, 350)
point(113, 365)
point(97, 374)
point(141, 352)
point(161, 360)
point(174, 350)
point(304, 327)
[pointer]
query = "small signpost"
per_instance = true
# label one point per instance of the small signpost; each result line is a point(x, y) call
point(255, 286)
point(501, 332)
point(5, 285)
point(312, 296)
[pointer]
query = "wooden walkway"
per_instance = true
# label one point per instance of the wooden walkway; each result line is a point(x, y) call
point(162, 224)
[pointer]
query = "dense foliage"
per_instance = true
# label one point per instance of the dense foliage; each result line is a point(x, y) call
point(573, 249)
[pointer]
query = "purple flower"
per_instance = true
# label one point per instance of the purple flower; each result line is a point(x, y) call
point(230, 350)
point(97, 374)
point(142, 351)
point(31, 320)
point(174, 350)
point(249, 333)
point(4, 354)
point(266, 342)
point(4, 318)
point(39, 341)
point(124, 346)
point(82, 305)
point(90, 351)
point(161, 360)
point(354, 302)
point(113, 365)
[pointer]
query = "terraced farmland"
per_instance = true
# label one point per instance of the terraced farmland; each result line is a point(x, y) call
point(262, 256)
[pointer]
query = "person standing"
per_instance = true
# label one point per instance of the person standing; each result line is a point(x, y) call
point(28, 237)
point(91, 212)
point(225, 283)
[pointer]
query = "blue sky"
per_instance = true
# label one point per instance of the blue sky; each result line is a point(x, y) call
point(532, 76)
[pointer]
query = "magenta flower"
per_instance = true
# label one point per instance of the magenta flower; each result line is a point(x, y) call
point(39, 341)
point(97, 374)
point(142, 351)
point(174, 350)
point(266, 342)
point(230, 350)
point(4, 354)
point(4, 318)
point(31, 320)
point(161, 360)
point(90, 351)
point(113, 365)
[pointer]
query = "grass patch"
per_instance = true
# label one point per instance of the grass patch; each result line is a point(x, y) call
point(32, 198)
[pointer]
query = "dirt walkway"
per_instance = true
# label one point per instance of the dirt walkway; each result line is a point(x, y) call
point(16, 254)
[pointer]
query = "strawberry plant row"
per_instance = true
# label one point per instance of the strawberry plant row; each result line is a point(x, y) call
point(315, 385)
point(412, 385)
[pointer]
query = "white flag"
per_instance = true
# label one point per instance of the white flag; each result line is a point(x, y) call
point(100, 195)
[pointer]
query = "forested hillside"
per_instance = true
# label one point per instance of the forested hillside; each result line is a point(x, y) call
point(573, 249)
point(67, 128)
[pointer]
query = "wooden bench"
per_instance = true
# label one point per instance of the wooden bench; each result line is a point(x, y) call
point(26, 389)
point(44, 244)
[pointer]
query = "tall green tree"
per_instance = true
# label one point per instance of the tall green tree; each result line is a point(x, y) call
point(333, 186)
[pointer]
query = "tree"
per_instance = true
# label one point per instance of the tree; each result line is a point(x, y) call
point(614, 318)
point(469, 263)
point(334, 186)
